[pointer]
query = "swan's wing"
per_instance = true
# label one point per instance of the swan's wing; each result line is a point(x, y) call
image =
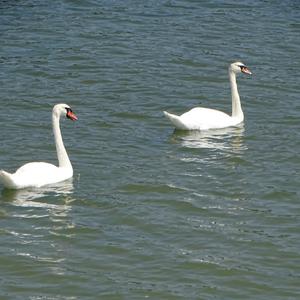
point(37, 174)
point(200, 118)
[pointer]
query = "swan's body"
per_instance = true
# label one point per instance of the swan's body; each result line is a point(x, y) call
point(37, 174)
point(200, 118)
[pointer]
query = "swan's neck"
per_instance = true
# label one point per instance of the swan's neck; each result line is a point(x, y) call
point(63, 158)
point(236, 103)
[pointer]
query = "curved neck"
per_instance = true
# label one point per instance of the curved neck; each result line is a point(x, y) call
point(236, 103)
point(63, 158)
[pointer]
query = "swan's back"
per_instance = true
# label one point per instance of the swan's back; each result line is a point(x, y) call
point(36, 169)
point(205, 118)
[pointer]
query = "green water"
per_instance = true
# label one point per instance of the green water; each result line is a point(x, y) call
point(151, 213)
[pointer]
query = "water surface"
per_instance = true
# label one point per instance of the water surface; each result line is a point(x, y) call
point(151, 213)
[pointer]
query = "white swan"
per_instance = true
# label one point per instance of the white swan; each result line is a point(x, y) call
point(37, 174)
point(200, 118)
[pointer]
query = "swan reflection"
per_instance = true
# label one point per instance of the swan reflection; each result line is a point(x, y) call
point(37, 216)
point(231, 138)
point(28, 197)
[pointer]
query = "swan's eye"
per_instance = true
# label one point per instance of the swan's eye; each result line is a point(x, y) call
point(68, 109)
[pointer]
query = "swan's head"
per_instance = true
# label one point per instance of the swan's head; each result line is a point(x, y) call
point(239, 67)
point(64, 110)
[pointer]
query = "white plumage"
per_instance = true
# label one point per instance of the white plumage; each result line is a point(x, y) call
point(37, 174)
point(200, 118)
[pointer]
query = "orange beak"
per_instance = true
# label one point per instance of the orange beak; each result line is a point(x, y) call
point(245, 70)
point(71, 115)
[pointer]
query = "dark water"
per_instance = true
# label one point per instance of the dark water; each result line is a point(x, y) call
point(151, 213)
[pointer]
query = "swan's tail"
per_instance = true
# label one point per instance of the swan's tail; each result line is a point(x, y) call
point(6, 180)
point(176, 121)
